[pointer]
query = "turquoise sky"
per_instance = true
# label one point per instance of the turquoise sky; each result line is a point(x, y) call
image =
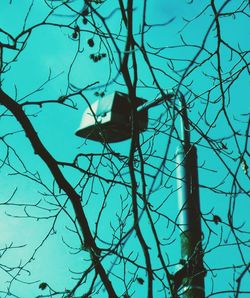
point(51, 52)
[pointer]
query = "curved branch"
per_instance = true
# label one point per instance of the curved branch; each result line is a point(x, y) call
point(74, 197)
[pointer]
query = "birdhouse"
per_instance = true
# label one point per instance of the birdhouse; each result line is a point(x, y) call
point(109, 119)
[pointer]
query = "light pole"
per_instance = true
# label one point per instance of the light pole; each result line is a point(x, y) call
point(109, 120)
point(192, 274)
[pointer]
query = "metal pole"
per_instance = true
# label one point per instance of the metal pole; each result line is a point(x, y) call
point(155, 102)
point(191, 276)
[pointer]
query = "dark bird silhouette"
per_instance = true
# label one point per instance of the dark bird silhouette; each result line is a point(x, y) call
point(216, 219)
